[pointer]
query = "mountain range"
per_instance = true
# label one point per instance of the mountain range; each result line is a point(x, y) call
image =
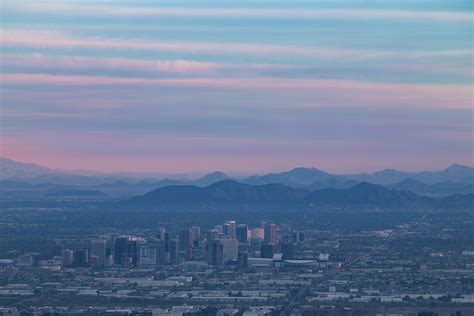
point(229, 193)
point(31, 177)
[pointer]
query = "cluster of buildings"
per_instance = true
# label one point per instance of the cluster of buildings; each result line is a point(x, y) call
point(235, 269)
point(230, 243)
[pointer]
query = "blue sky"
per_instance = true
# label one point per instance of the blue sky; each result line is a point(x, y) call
point(247, 86)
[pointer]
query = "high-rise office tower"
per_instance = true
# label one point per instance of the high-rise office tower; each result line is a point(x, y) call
point(225, 229)
point(147, 256)
point(196, 232)
point(231, 229)
point(212, 234)
point(167, 247)
point(94, 261)
point(159, 245)
point(173, 250)
point(185, 239)
point(219, 229)
point(288, 251)
point(81, 257)
point(109, 249)
point(161, 234)
point(242, 233)
point(189, 255)
point(126, 249)
point(242, 261)
point(134, 246)
point(230, 248)
point(270, 234)
point(68, 257)
point(215, 253)
point(57, 249)
point(121, 247)
point(267, 251)
point(99, 249)
point(256, 234)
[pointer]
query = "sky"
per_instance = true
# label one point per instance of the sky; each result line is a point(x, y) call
point(241, 86)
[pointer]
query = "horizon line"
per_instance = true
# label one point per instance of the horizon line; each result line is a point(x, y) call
point(226, 172)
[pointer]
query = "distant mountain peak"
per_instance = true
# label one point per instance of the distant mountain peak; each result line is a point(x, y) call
point(457, 167)
point(388, 171)
point(14, 169)
point(216, 174)
point(306, 169)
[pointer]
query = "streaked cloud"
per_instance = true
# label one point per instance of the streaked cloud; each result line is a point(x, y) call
point(74, 9)
point(41, 61)
point(323, 92)
point(45, 39)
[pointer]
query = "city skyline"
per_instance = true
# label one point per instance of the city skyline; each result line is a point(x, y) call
point(236, 158)
point(248, 87)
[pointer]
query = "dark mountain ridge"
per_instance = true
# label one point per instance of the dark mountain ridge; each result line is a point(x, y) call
point(233, 193)
point(224, 192)
point(371, 195)
point(295, 177)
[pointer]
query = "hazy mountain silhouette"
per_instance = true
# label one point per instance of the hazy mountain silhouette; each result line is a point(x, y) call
point(415, 186)
point(10, 169)
point(295, 177)
point(312, 178)
point(369, 194)
point(458, 201)
point(437, 189)
point(454, 179)
point(210, 178)
point(224, 192)
point(455, 172)
point(232, 193)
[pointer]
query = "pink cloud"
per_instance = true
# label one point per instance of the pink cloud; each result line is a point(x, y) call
point(74, 62)
point(89, 9)
point(48, 39)
point(144, 68)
